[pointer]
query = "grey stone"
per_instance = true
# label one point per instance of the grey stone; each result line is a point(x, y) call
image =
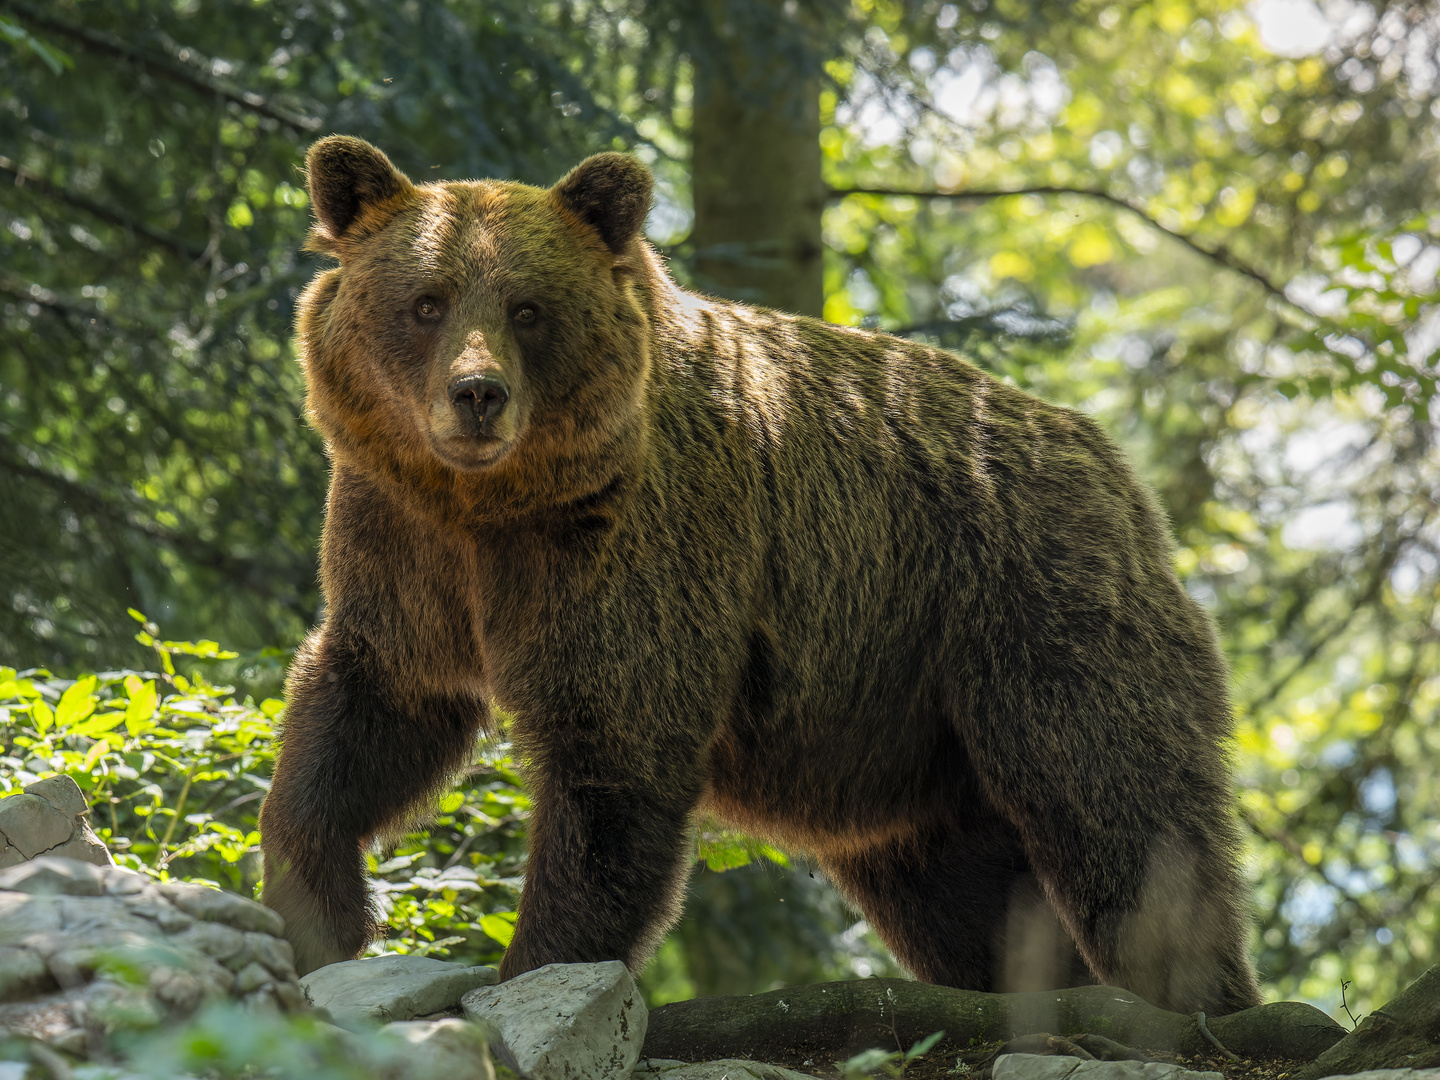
point(1056, 1067)
point(24, 918)
point(181, 990)
point(291, 996)
point(13, 1070)
point(85, 846)
point(442, 1050)
point(722, 1069)
point(71, 941)
point(50, 876)
point(9, 856)
point(212, 905)
point(381, 988)
point(101, 918)
point(62, 793)
point(23, 973)
point(564, 1021)
point(213, 939)
point(277, 954)
point(125, 883)
point(251, 977)
point(32, 824)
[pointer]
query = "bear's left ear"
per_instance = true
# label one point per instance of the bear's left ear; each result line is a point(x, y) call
point(346, 177)
point(610, 193)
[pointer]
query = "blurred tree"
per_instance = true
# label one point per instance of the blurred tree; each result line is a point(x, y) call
point(1220, 240)
point(755, 157)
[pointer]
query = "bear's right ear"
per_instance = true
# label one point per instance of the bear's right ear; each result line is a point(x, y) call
point(348, 178)
point(610, 193)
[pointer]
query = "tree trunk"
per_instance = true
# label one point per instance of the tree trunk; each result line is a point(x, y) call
point(832, 1021)
point(1404, 1033)
point(756, 174)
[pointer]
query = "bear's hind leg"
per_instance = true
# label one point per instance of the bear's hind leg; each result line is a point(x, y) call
point(1165, 921)
point(957, 905)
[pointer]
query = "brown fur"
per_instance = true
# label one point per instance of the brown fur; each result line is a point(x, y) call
point(845, 591)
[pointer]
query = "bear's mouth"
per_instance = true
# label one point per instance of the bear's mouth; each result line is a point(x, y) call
point(470, 453)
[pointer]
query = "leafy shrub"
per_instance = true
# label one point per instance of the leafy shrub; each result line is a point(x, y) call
point(175, 767)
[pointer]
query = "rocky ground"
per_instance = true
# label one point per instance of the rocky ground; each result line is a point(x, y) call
point(87, 948)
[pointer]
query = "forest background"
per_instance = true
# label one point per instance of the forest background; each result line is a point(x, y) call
point(1213, 225)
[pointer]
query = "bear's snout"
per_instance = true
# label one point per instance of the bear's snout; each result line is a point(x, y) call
point(479, 399)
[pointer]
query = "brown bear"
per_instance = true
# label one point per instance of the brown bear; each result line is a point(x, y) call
point(843, 591)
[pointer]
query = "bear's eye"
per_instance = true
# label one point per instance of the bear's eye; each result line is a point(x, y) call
point(427, 309)
point(525, 314)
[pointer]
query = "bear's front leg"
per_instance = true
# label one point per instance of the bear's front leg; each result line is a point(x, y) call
point(607, 867)
point(360, 753)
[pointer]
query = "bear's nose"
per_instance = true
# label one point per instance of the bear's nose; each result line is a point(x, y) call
point(484, 396)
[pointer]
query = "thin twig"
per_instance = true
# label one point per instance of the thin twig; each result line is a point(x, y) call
point(1219, 254)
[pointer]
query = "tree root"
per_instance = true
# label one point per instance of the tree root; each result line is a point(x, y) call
point(832, 1021)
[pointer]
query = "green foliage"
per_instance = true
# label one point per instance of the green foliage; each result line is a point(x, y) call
point(174, 768)
point(891, 1062)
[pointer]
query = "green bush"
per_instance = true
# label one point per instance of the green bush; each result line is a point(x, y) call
point(175, 767)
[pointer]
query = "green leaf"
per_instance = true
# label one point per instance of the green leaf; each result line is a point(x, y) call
point(77, 702)
point(141, 707)
point(42, 717)
point(97, 725)
point(500, 926)
point(868, 1061)
point(924, 1045)
point(452, 802)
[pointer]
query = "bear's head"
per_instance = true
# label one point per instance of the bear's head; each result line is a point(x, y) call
point(475, 328)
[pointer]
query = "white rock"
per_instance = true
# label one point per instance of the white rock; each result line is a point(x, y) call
point(1059, 1067)
point(9, 856)
point(53, 876)
point(32, 824)
point(214, 939)
point(731, 1068)
point(62, 793)
point(564, 1021)
point(443, 1050)
point(84, 846)
point(63, 922)
point(24, 919)
point(381, 988)
point(212, 905)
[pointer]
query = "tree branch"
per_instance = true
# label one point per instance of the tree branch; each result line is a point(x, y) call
point(1221, 254)
point(173, 69)
point(25, 178)
point(809, 1025)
